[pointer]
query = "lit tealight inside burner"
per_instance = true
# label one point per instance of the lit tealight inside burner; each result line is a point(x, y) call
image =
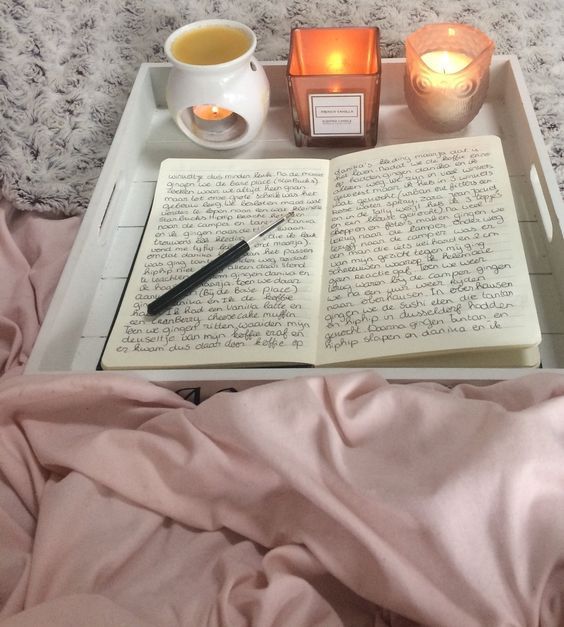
point(213, 118)
point(213, 123)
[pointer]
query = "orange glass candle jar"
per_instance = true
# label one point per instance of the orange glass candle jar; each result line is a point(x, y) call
point(334, 85)
point(447, 75)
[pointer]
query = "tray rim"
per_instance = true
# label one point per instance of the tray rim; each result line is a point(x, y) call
point(102, 200)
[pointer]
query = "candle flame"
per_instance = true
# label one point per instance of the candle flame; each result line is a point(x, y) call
point(210, 112)
point(446, 62)
point(335, 62)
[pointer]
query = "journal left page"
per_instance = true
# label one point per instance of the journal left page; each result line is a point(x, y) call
point(263, 309)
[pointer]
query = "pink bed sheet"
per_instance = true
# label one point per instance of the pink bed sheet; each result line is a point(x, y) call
point(313, 502)
point(33, 251)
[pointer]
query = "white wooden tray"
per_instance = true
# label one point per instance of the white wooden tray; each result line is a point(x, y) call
point(78, 321)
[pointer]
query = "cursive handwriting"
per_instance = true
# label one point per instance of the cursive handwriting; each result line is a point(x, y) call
point(421, 248)
point(265, 301)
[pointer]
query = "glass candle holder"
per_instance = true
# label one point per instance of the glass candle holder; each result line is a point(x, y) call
point(447, 75)
point(334, 85)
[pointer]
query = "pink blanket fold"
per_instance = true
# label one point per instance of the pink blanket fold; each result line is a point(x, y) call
point(33, 251)
point(317, 501)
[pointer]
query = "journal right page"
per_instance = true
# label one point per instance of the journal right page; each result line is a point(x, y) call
point(425, 256)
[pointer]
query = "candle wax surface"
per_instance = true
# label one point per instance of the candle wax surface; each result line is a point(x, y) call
point(445, 62)
point(211, 112)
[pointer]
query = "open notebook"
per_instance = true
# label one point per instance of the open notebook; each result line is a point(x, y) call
point(400, 255)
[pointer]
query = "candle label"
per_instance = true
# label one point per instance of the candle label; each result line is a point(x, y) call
point(336, 114)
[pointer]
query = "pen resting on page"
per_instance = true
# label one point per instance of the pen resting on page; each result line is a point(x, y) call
point(172, 296)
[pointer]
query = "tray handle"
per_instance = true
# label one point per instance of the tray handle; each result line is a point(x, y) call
point(106, 222)
point(544, 211)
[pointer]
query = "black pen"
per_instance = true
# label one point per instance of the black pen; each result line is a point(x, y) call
point(213, 267)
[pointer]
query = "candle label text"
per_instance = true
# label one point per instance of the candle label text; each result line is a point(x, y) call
point(336, 114)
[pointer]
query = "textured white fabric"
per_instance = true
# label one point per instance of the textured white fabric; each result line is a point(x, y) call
point(66, 67)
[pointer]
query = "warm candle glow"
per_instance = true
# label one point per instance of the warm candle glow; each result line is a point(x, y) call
point(335, 63)
point(447, 72)
point(445, 62)
point(334, 83)
point(212, 120)
point(211, 112)
point(322, 51)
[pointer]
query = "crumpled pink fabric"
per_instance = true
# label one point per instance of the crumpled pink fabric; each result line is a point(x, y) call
point(313, 502)
point(33, 251)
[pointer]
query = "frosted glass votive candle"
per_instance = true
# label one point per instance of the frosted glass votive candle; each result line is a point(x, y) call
point(446, 75)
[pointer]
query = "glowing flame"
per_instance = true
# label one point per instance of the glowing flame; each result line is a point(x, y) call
point(335, 62)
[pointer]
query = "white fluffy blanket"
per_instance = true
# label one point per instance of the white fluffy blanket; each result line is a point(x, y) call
point(66, 67)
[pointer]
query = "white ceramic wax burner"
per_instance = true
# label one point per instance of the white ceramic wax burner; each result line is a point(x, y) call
point(217, 92)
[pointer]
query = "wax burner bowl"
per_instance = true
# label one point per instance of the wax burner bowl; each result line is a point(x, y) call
point(239, 86)
point(447, 101)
